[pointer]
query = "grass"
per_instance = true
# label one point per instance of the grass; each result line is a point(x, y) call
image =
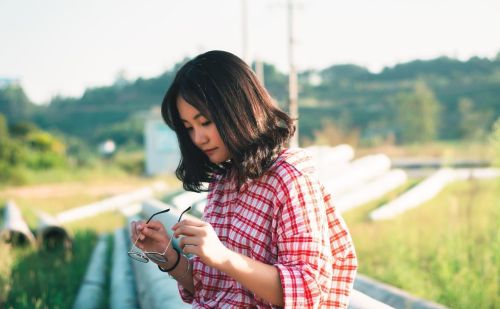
point(48, 279)
point(447, 250)
point(36, 278)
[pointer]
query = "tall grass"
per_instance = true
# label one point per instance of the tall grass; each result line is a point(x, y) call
point(49, 279)
point(37, 278)
point(6, 261)
point(447, 250)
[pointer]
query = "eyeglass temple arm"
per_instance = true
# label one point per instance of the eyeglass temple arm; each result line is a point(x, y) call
point(186, 210)
point(160, 212)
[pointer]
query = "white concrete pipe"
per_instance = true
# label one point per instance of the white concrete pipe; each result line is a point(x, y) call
point(371, 190)
point(92, 289)
point(476, 173)
point(155, 289)
point(123, 293)
point(112, 203)
point(15, 230)
point(185, 199)
point(360, 300)
point(329, 160)
point(416, 196)
point(391, 295)
point(199, 208)
point(51, 233)
point(357, 173)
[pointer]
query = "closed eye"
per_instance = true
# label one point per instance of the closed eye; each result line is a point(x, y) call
point(206, 123)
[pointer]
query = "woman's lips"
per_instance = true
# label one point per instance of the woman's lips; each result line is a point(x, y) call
point(210, 151)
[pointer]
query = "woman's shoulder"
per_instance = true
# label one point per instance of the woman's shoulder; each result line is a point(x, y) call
point(296, 161)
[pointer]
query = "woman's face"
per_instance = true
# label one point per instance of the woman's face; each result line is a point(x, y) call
point(203, 132)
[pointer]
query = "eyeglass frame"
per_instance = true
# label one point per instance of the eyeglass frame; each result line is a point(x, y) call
point(145, 256)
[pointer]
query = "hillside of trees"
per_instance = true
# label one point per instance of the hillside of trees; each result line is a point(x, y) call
point(418, 101)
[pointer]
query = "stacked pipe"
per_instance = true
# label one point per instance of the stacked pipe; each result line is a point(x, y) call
point(194, 199)
point(155, 289)
point(428, 189)
point(51, 233)
point(357, 173)
point(416, 196)
point(92, 290)
point(112, 203)
point(123, 294)
point(15, 229)
point(330, 160)
point(371, 190)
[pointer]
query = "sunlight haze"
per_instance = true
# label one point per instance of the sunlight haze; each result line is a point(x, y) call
point(62, 47)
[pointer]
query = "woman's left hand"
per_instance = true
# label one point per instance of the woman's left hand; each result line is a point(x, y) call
point(200, 239)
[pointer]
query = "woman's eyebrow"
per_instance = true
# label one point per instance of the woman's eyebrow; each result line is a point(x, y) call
point(194, 118)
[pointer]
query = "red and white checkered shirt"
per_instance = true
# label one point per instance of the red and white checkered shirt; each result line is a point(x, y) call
point(286, 219)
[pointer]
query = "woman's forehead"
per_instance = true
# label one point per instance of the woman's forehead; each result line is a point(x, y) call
point(188, 111)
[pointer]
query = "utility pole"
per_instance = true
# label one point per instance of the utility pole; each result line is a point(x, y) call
point(293, 107)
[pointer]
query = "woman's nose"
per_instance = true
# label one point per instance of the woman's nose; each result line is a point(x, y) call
point(199, 137)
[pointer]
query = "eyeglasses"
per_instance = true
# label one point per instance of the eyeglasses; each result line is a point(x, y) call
point(145, 256)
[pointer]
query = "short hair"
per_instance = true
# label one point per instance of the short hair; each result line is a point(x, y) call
point(225, 90)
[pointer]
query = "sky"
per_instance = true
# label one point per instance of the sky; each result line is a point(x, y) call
point(61, 47)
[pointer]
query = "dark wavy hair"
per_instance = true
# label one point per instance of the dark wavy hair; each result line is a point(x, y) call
point(225, 90)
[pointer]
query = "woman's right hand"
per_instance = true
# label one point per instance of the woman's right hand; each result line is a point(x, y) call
point(151, 237)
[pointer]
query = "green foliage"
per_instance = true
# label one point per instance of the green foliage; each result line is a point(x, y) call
point(417, 115)
point(131, 162)
point(27, 147)
point(446, 250)
point(351, 97)
point(49, 278)
point(494, 140)
point(6, 261)
point(14, 103)
point(22, 129)
point(130, 131)
point(472, 125)
point(4, 131)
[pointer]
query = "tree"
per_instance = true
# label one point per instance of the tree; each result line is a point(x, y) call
point(472, 121)
point(494, 139)
point(3, 127)
point(417, 115)
point(14, 103)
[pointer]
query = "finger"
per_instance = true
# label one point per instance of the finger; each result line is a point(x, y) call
point(190, 231)
point(155, 225)
point(189, 241)
point(191, 249)
point(135, 235)
point(132, 230)
point(154, 235)
point(188, 222)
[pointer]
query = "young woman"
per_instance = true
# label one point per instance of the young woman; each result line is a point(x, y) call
point(270, 234)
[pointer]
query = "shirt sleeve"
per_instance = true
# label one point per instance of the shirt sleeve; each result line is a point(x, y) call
point(316, 258)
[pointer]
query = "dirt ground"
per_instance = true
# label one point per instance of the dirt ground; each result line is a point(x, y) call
point(68, 189)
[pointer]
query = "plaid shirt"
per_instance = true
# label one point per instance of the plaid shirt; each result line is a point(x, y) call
point(286, 219)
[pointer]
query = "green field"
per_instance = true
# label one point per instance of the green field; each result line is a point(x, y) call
point(447, 250)
point(37, 278)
